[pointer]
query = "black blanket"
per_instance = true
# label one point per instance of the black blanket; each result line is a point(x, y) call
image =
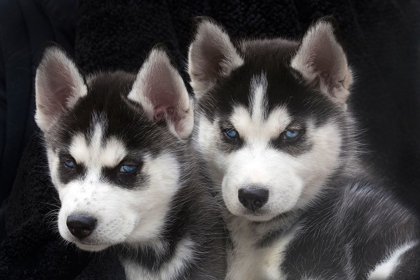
point(382, 42)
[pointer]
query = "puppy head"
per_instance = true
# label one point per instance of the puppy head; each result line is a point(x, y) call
point(271, 116)
point(115, 147)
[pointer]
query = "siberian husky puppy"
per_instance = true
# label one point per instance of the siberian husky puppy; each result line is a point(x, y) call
point(275, 131)
point(122, 164)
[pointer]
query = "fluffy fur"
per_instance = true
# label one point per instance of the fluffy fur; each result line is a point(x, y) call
point(126, 179)
point(277, 125)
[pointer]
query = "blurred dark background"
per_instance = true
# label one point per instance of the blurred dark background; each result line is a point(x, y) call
point(25, 26)
point(381, 38)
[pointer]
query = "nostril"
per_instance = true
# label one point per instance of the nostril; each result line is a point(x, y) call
point(258, 203)
point(243, 201)
point(81, 225)
point(253, 198)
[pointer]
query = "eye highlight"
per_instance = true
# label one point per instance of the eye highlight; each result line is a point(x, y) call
point(230, 139)
point(291, 134)
point(231, 133)
point(69, 163)
point(128, 168)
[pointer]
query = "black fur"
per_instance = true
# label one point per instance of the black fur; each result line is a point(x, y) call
point(106, 104)
point(352, 224)
point(192, 213)
point(285, 88)
point(351, 228)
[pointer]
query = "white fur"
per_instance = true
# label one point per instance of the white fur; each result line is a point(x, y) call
point(127, 216)
point(386, 267)
point(258, 99)
point(256, 130)
point(292, 181)
point(109, 155)
point(184, 254)
point(247, 261)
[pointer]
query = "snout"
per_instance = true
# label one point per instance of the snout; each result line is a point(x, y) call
point(253, 197)
point(80, 225)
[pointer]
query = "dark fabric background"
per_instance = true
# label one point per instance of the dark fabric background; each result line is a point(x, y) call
point(25, 26)
point(381, 38)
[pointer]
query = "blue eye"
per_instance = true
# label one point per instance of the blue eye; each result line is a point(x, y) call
point(128, 168)
point(291, 134)
point(231, 133)
point(69, 163)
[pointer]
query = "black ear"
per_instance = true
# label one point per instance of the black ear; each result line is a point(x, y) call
point(160, 90)
point(58, 85)
point(211, 56)
point(322, 62)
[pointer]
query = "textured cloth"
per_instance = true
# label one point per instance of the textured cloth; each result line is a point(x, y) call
point(382, 42)
point(25, 26)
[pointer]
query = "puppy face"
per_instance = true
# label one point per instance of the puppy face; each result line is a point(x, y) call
point(284, 154)
point(125, 190)
point(115, 152)
point(270, 136)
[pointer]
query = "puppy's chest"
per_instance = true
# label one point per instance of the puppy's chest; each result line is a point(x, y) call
point(134, 271)
point(248, 260)
point(182, 258)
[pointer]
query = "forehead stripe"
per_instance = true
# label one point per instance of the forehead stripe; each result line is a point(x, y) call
point(96, 152)
point(253, 123)
point(258, 101)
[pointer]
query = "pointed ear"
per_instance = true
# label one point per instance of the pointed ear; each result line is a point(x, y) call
point(58, 85)
point(161, 91)
point(322, 62)
point(211, 55)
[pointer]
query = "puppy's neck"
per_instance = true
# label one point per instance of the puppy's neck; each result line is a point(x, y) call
point(260, 234)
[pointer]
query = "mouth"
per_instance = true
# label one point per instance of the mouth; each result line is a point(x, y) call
point(91, 247)
point(258, 216)
point(285, 216)
point(265, 216)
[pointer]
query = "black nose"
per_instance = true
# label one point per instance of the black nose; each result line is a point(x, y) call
point(80, 225)
point(253, 198)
